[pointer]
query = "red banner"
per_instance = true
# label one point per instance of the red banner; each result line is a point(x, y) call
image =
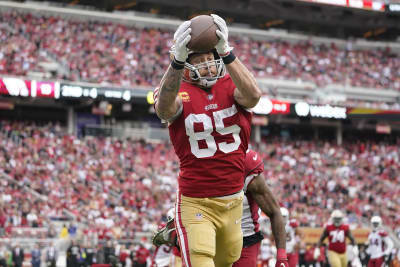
point(15, 87)
point(44, 89)
point(271, 106)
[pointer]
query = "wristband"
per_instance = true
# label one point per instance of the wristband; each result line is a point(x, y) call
point(228, 59)
point(177, 65)
point(281, 254)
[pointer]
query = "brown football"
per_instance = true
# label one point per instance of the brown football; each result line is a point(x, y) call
point(203, 34)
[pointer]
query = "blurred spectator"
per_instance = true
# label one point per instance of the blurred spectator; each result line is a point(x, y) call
point(109, 251)
point(89, 253)
point(18, 255)
point(3, 255)
point(124, 256)
point(73, 254)
point(100, 255)
point(36, 256)
point(72, 229)
point(51, 256)
point(141, 256)
point(64, 232)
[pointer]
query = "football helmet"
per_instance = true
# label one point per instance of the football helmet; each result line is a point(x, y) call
point(285, 214)
point(191, 73)
point(166, 235)
point(337, 217)
point(376, 222)
point(171, 214)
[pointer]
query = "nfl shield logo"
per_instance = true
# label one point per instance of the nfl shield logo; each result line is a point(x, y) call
point(210, 97)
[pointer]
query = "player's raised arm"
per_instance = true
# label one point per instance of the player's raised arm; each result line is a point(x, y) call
point(268, 204)
point(247, 92)
point(167, 104)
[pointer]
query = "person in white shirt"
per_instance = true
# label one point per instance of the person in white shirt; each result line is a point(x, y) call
point(267, 253)
point(379, 244)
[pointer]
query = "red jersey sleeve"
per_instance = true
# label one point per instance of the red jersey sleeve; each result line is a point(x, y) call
point(253, 166)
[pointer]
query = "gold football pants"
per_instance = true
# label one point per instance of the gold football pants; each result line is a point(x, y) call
point(337, 259)
point(209, 230)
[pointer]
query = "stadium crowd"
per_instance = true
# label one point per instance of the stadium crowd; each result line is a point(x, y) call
point(113, 186)
point(111, 53)
point(120, 187)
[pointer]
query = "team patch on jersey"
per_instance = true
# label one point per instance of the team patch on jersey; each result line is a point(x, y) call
point(184, 96)
point(211, 106)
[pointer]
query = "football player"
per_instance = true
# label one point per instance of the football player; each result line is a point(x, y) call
point(379, 244)
point(209, 123)
point(258, 197)
point(292, 238)
point(336, 232)
point(163, 255)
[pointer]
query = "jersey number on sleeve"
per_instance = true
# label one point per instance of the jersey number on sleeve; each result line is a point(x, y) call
point(205, 135)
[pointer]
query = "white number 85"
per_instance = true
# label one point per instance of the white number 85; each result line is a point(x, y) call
point(219, 116)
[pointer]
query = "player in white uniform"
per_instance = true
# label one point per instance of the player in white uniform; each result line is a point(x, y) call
point(292, 238)
point(163, 255)
point(267, 253)
point(379, 244)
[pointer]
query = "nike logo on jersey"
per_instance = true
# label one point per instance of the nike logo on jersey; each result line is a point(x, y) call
point(255, 157)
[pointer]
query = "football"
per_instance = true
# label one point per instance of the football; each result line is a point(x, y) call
point(203, 34)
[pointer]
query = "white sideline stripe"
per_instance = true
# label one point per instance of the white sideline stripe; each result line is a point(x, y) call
point(178, 226)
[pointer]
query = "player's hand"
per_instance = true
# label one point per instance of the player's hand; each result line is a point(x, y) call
point(317, 253)
point(222, 46)
point(281, 258)
point(181, 39)
point(282, 263)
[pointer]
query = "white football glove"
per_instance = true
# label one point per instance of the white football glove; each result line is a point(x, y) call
point(355, 250)
point(317, 253)
point(181, 39)
point(222, 45)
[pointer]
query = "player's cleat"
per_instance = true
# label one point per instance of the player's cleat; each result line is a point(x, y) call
point(166, 235)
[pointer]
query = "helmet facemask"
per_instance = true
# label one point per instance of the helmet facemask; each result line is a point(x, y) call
point(192, 71)
point(337, 217)
point(337, 221)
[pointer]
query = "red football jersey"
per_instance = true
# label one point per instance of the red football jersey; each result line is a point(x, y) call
point(251, 212)
point(210, 138)
point(337, 237)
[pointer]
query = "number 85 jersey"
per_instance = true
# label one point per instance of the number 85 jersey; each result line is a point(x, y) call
point(210, 138)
